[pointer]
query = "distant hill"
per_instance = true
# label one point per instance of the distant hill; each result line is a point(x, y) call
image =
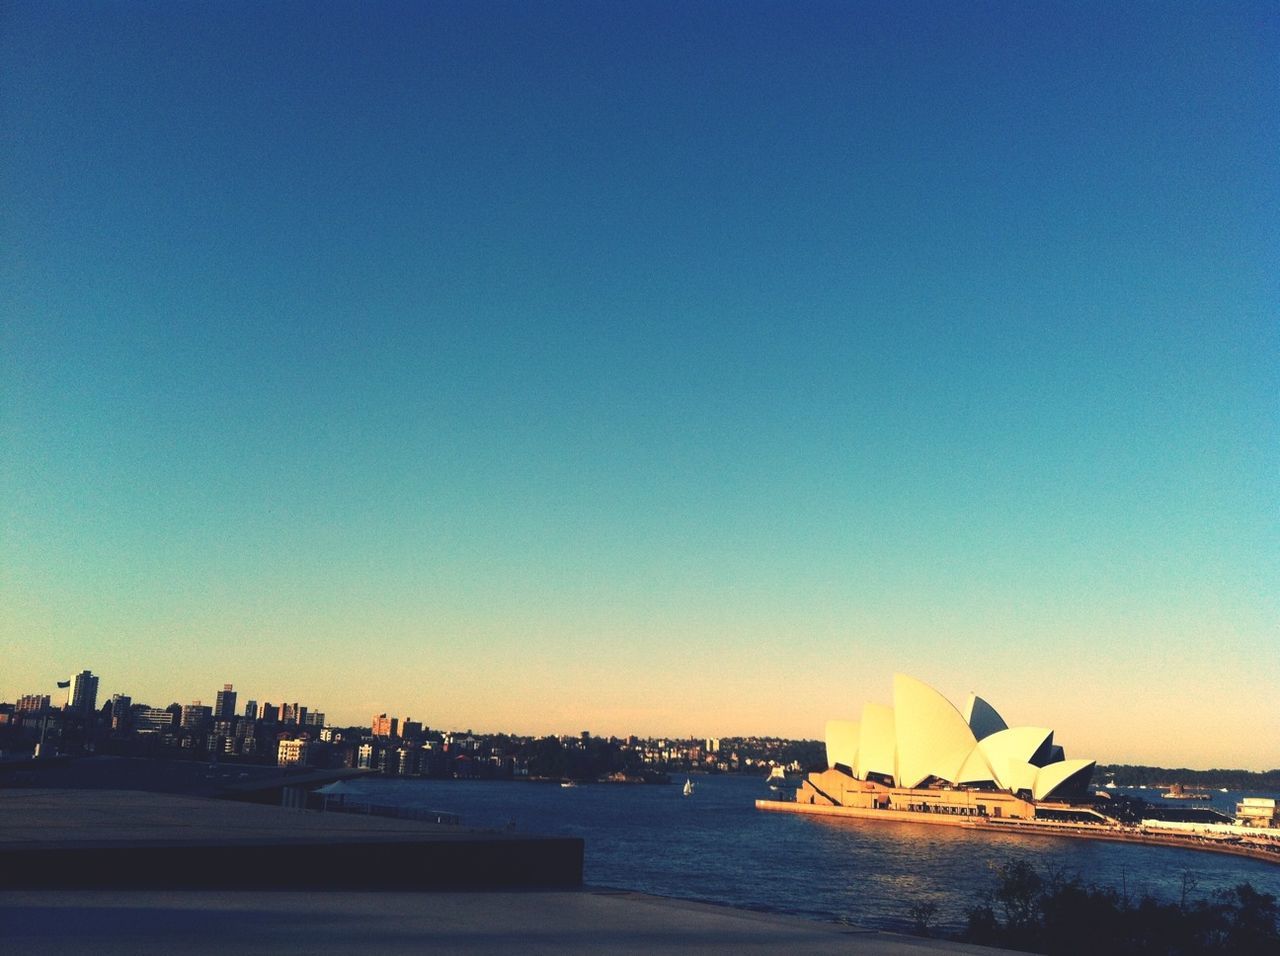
point(1127, 775)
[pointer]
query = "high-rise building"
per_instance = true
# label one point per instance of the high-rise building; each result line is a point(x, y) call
point(82, 695)
point(251, 710)
point(120, 706)
point(224, 708)
point(270, 713)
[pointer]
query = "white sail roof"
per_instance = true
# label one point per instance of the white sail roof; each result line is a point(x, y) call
point(932, 736)
point(976, 769)
point(1009, 753)
point(923, 737)
point(1065, 775)
point(842, 743)
point(877, 744)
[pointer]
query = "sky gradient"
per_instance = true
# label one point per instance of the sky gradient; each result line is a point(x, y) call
point(640, 368)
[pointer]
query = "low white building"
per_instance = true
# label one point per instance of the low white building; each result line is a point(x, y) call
point(1258, 812)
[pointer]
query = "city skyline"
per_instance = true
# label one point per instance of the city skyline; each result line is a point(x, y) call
point(648, 370)
point(300, 715)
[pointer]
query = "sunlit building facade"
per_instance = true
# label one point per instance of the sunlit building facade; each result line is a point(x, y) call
point(292, 753)
point(82, 695)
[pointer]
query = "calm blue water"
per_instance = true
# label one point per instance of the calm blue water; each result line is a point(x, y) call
point(715, 846)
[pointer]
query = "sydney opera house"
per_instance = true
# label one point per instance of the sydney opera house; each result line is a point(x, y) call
point(923, 755)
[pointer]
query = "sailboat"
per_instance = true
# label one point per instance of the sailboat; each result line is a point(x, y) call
point(777, 778)
point(688, 787)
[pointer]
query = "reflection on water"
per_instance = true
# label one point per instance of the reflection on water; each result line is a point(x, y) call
point(716, 846)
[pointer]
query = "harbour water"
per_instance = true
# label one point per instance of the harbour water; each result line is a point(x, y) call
point(715, 846)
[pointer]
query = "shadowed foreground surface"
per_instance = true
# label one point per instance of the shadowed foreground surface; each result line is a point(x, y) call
point(546, 921)
point(111, 839)
point(128, 872)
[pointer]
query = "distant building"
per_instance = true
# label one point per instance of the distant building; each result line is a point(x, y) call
point(31, 703)
point(151, 719)
point(196, 716)
point(366, 756)
point(270, 713)
point(246, 739)
point(121, 704)
point(314, 719)
point(406, 760)
point(251, 710)
point(384, 726)
point(292, 753)
point(713, 745)
point(411, 729)
point(82, 696)
point(224, 707)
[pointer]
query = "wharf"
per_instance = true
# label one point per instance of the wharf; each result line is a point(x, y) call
point(1049, 828)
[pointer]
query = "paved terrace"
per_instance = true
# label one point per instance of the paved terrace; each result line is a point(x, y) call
point(128, 872)
point(115, 838)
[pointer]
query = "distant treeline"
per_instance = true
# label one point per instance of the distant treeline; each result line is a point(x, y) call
point(1127, 775)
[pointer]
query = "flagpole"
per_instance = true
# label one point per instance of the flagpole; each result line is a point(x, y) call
point(44, 723)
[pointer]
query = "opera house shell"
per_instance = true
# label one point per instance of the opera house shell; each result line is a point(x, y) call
point(924, 743)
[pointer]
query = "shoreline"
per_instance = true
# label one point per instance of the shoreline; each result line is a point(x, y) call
point(1028, 828)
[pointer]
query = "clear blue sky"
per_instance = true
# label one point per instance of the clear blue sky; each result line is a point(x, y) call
point(674, 368)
